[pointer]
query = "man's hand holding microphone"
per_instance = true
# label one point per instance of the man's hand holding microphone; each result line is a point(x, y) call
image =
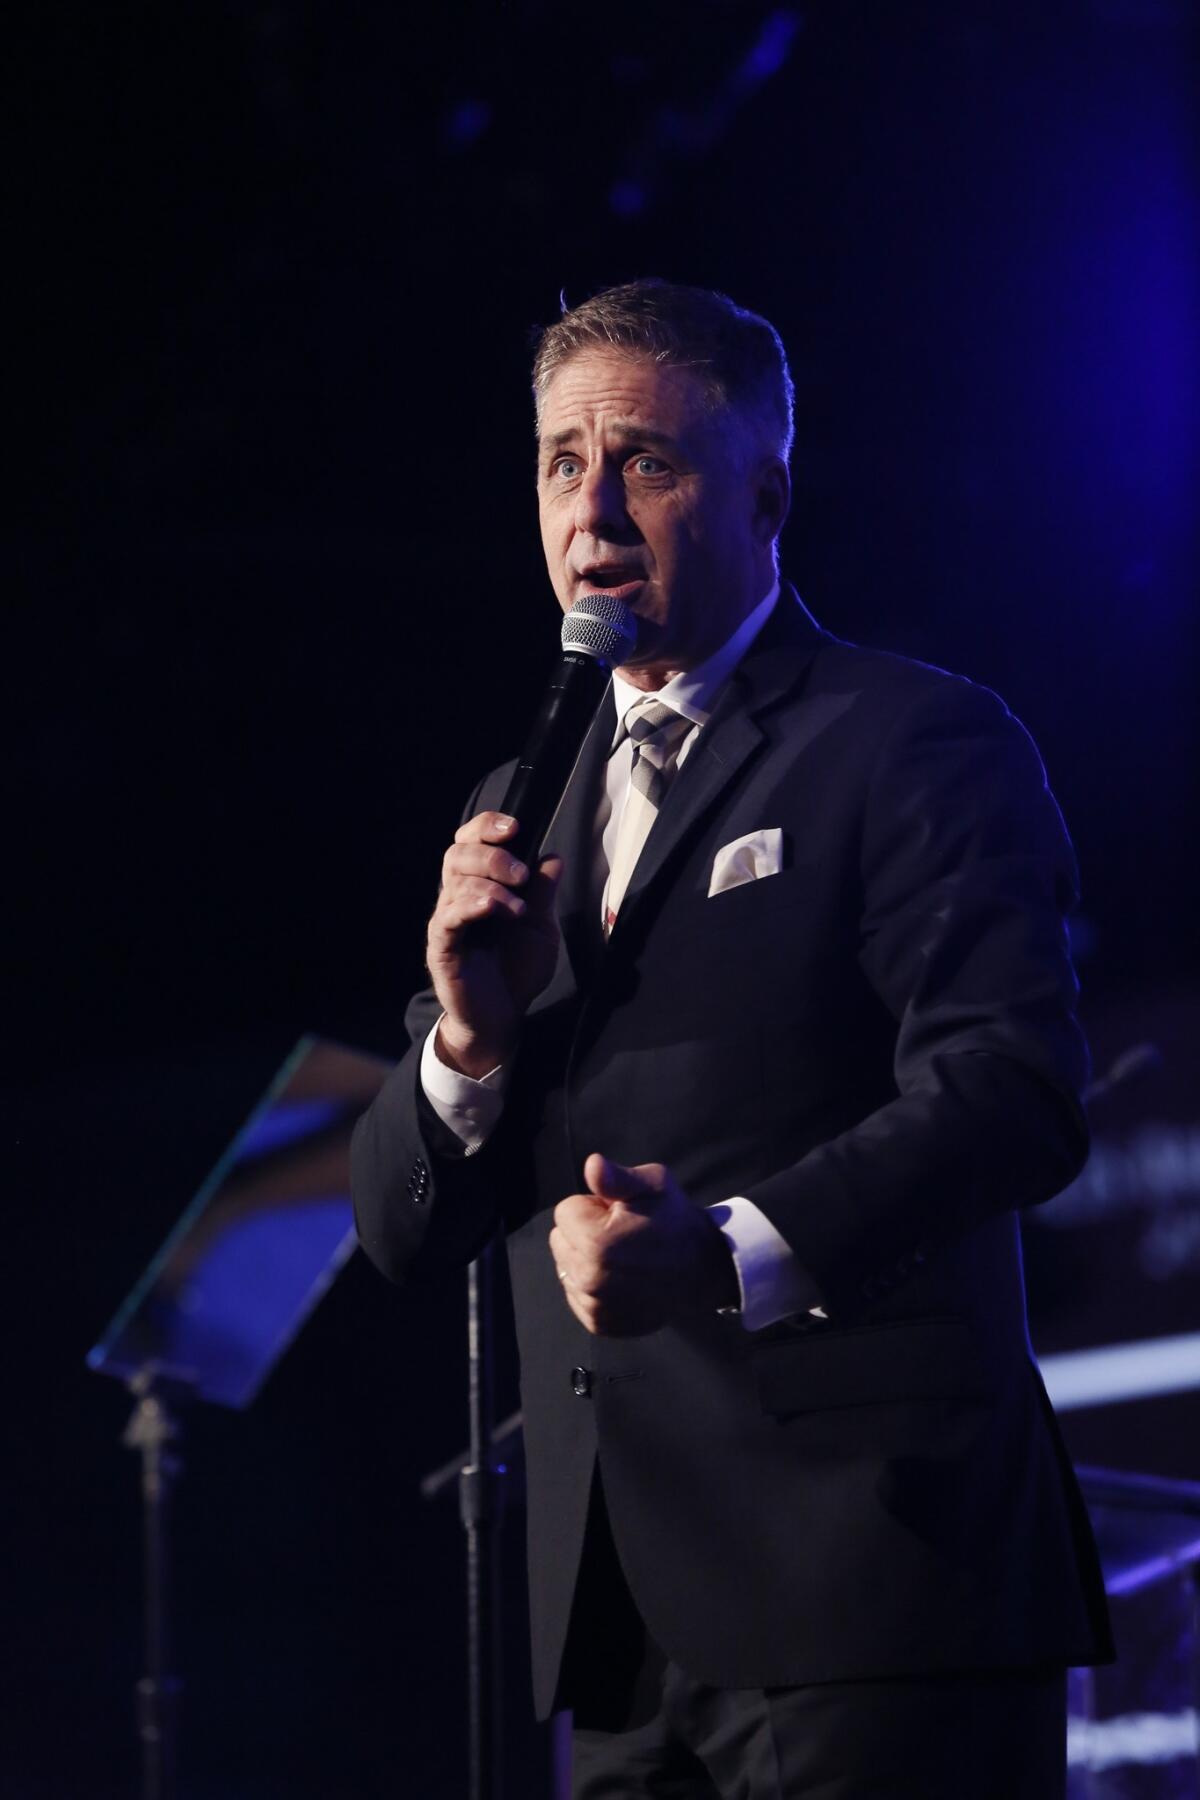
point(632, 1251)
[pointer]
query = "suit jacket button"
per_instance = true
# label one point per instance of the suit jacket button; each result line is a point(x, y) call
point(581, 1382)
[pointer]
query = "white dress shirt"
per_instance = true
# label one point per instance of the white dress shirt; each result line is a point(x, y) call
point(771, 1283)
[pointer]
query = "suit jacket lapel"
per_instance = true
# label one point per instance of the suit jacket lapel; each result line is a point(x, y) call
point(771, 669)
point(572, 836)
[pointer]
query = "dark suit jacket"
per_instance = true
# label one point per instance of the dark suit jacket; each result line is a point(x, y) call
point(876, 1046)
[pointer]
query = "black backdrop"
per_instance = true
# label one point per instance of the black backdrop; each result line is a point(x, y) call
point(278, 597)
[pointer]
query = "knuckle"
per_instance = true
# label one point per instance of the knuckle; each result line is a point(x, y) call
point(457, 868)
point(475, 828)
point(501, 866)
point(590, 1274)
point(439, 919)
point(449, 901)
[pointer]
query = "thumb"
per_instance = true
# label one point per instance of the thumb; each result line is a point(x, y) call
point(610, 1180)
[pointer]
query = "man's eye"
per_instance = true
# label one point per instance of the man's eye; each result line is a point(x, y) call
point(567, 468)
point(649, 465)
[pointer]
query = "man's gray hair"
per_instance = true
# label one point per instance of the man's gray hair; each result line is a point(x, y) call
point(737, 355)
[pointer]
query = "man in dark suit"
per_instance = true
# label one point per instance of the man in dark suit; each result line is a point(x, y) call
point(755, 1068)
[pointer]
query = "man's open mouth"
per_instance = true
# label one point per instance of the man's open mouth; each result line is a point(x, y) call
point(622, 584)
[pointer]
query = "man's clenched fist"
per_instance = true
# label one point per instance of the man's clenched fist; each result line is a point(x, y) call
point(634, 1253)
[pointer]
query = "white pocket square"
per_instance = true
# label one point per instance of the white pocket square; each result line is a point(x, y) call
point(748, 858)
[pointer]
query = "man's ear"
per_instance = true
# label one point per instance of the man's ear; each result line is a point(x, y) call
point(772, 498)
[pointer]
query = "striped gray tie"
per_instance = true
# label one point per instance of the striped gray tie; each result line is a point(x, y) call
point(657, 734)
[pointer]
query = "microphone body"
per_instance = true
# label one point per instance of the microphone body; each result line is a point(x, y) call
point(597, 633)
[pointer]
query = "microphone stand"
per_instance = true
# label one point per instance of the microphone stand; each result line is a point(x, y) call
point(153, 1430)
point(595, 634)
point(481, 1506)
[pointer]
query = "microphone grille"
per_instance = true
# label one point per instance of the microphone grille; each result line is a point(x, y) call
point(600, 627)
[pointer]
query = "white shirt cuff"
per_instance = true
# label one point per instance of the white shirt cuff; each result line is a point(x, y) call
point(471, 1109)
point(771, 1282)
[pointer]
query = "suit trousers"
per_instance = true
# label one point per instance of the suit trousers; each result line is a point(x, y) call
point(644, 1728)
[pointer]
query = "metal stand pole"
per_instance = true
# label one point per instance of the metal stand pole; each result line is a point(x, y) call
point(152, 1430)
point(480, 1504)
point(1194, 1572)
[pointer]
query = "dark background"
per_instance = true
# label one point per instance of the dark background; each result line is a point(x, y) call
point(278, 599)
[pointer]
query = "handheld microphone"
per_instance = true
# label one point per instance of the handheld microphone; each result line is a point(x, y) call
point(597, 634)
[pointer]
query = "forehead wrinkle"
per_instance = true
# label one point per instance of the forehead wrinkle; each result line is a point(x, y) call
point(627, 431)
point(690, 379)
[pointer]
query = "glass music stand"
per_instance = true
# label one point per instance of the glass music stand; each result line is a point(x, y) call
point(221, 1302)
point(1133, 1729)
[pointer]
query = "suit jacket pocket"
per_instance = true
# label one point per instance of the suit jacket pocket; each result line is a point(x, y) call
point(787, 887)
point(920, 1359)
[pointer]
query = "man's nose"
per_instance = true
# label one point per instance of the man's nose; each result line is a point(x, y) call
point(600, 507)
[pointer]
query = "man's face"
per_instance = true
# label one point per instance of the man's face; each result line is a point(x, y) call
point(645, 490)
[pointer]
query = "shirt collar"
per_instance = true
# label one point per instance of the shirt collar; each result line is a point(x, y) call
point(693, 692)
